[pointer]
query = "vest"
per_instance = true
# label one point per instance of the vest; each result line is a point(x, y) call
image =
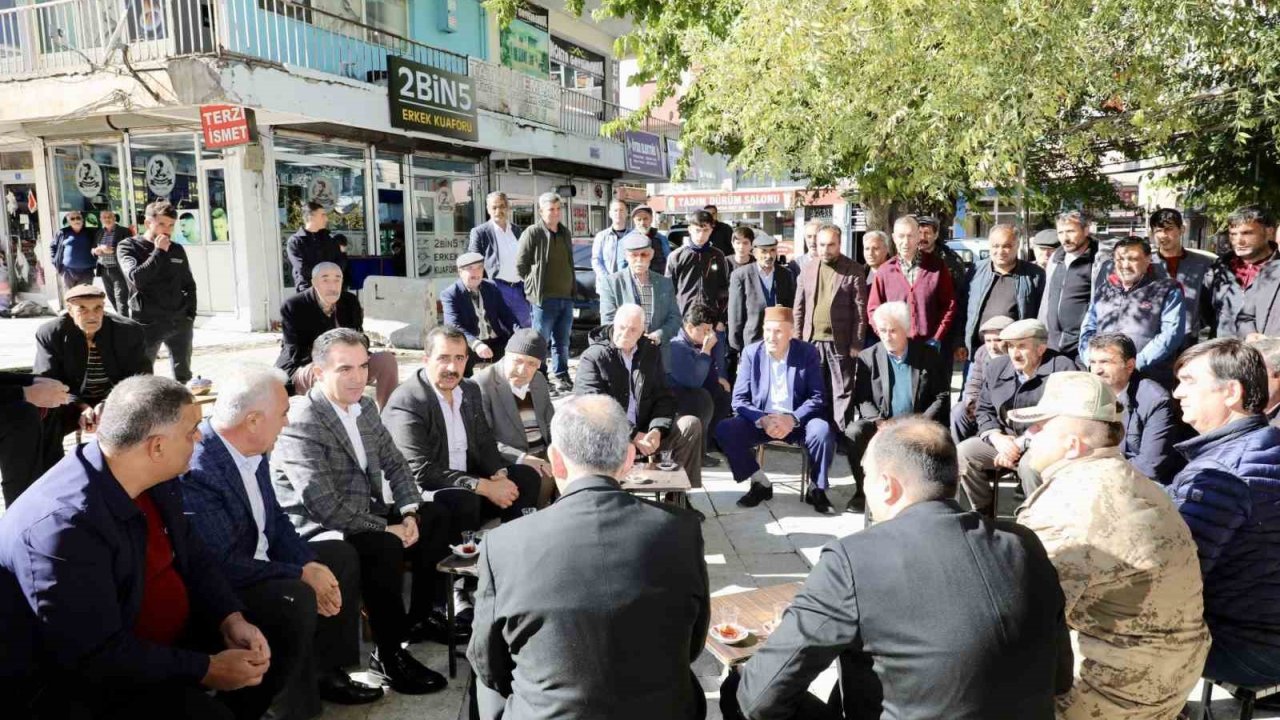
point(1067, 299)
point(1135, 313)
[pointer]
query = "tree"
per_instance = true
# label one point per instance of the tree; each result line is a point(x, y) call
point(923, 101)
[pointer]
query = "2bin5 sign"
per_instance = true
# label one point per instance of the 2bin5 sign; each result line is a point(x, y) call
point(429, 100)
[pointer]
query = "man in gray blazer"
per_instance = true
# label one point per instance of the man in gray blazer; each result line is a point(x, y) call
point(565, 629)
point(328, 470)
point(932, 612)
point(517, 403)
point(635, 284)
point(754, 287)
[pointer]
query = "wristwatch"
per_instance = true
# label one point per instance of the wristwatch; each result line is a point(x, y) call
point(469, 483)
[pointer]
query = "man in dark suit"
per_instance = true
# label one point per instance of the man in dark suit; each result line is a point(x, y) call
point(304, 596)
point(328, 471)
point(497, 241)
point(778, 395)
point(476, 307)
point(721, 232)
point(517, 405)
point(831, 315)
point(110, 606)
point(311, 245)
point(564, 630)
point(896, 377)
point(753, 288)
point(88, 350)
point(625, 365)
point(318, 309)
point(931, 613)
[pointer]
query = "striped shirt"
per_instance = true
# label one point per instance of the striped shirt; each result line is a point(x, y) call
point(96, 383)
point(646, 301)
point(532, 431)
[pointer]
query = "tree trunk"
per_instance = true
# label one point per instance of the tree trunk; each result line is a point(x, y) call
point(878, 210)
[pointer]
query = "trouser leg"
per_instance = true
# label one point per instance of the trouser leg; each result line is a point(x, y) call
point(337, 642)
point(529, 482)
point(819, 440)
point(563, 332)
point(698, 403)
point(384, 375)
point(837, 374)
point(426, 590)
point(738, 438)
point(977, 460)
point(859, 433)
point(285, 611)
point(513, 294)
point(179, 344)
point(23, 454)
point(381, 578)
point(117, 289)
point(963, 425)
point(685, 443)
point(1028, 477)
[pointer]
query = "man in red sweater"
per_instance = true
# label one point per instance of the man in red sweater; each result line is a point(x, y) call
point(919, 280)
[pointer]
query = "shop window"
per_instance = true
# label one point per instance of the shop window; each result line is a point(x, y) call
point(164, 168)
point(331, 175)
point(88, 179)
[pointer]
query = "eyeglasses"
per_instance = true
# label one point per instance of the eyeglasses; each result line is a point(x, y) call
point(74, 219)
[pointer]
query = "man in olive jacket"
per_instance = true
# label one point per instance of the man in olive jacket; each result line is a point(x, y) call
point(544, 260)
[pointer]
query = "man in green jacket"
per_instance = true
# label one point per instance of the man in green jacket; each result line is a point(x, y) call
point(544, 260)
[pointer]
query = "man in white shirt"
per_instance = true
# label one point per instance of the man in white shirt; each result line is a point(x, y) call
point(305, 597)
point(496, 240)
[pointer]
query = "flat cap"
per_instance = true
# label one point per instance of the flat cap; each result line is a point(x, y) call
point(470, 258)
point(1024, 329)
point(641, 208)
point(85, 291)
point(1071, 394)
point(764, 240)
point(636, 241)
point(996, 324)
point(1046, 238)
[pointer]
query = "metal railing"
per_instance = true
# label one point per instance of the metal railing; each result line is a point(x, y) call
point(84, 35)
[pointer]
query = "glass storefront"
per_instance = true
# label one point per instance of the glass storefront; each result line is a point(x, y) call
point(89, 179)
point(447, 203)
point(165, 167)
point(329, 174)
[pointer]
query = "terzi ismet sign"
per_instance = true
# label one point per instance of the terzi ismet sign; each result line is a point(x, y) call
point(430, 100)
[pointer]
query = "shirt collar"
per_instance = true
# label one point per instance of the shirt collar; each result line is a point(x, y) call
point(249, 463)
point(351, 413)
point(785, 355)
point(457, 396)
point(760, 269)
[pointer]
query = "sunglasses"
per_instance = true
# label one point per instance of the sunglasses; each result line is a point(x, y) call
point(75, 219)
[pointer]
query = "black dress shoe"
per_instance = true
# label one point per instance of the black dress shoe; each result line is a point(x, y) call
point(564, 385)
point(435, 627)
point(818, 499)
point(405, 674)
point(857, 503)
point(756, 495)
point(337, 687)
point(709, 460)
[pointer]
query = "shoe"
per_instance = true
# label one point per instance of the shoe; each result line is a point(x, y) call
point(701, 517)
point(709, 460)
point(857, 503)
point(564, 385)
point(405, 674)
point(756, 495)
point(337, 687)
point(434, 627)
point(818, 499)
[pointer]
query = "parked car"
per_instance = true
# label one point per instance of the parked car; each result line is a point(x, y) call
point(971, 251)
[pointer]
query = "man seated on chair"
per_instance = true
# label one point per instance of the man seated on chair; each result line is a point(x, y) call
point(436, 419)
point(1011, 382)
point(305, 597)
point(90, 351)
point(895, 377)
point(517, 405)
point(698, 374)
point(337, 474)
point(316, 310)
point(625, 365)
point(476, 306)
point(778, 396)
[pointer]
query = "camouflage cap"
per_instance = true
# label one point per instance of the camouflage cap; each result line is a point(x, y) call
point(1071, 394)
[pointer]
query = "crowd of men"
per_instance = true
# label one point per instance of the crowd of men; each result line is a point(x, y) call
point(1129, 390)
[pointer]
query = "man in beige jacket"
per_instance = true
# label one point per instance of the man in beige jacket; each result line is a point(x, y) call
point(1125, 558)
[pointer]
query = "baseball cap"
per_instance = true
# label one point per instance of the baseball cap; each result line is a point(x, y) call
point(1071, 394)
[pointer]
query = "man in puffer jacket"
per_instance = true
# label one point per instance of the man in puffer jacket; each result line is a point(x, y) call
point(1229, 495)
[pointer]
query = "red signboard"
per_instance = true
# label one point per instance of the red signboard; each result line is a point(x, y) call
point(743, 200)
point(224, 126)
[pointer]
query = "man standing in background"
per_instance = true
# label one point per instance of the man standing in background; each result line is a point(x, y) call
point(113, 280)
point(497, 241)
point(544, 259)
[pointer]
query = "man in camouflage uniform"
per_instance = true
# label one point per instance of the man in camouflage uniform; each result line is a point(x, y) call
point(1125, 558)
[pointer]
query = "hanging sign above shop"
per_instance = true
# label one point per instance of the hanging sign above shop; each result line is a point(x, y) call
point(643, 153)
point(226, 126)
point(160, 176)
point(429, 100)
point(89, 178)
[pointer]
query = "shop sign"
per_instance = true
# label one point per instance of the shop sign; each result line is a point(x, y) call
point(524, 44)
point(88, 178)
point(578, 58)
point(643, 153)
point(503, 90)
point(674, 153)
point(224, 126)
point(160, 176)
point(444, 249)
point(578, 224)
point(429, 100)
point(742, 201)
point(323, 189)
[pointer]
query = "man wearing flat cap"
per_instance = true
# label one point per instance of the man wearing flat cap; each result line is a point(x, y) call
point(1011, 382)
point(638, 283)
point(964, 415)
point(476, 306)
point(1043, 244)
point(754, 287)
point(1125, 558)
point(90, 351)
point(642, 221)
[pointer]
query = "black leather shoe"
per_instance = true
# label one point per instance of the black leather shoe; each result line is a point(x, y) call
point(756, 495)
point(337, 687)
point(709, 460)
point(857, 504)
point(818, 499)
point(405, 674)
point(435, 627)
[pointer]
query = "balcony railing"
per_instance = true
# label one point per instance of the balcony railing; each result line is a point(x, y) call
point(84, 35)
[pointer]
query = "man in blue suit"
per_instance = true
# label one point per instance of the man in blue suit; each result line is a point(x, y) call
point(304, 596)
point(496, 241)
point(639, 284)
point(110, 605)
point(477, 307)
point(778, 396)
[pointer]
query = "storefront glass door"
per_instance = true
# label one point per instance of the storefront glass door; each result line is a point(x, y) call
point(447, 201)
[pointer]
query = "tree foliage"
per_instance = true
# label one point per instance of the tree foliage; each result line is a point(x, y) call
point(927, 99)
